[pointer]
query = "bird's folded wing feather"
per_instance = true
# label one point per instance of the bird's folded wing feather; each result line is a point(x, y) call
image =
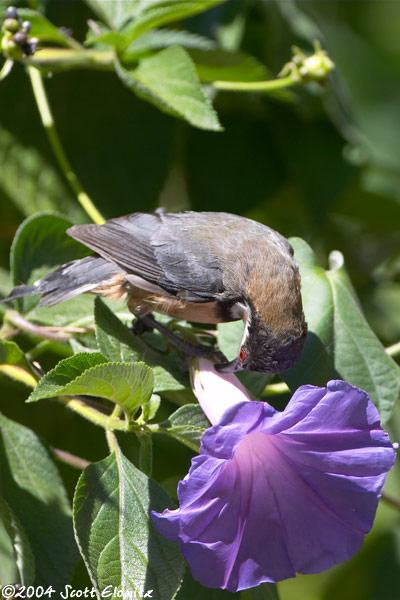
point(147, 246)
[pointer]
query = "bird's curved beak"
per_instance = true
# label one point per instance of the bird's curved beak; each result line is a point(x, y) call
point(230, 367)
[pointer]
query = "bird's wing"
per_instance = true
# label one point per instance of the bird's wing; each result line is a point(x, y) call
point(125, 241)
point(160, 249)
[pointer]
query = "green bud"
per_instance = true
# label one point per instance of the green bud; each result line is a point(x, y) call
point(317, 67)
point(11, 25)
point(302, 68)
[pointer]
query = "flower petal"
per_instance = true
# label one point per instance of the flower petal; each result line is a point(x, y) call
point(272, 493)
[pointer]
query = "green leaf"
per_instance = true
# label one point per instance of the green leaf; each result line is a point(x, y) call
point(265, 591)
point(162, 38)
point(161, 12)
point(169, 80)
point(150, 409)
point(31, 183)
point(117, 539)
point(187, 424)
point(39, 245)
point(11, 354)
point(138, 16)
point(116, 340)
point(42, 28)
point(88, 374)
point(20, 559)
point(78, 310)
point(116, 13)
point(32, 488)
point(229, 337)
point(222, 65)
point(340, 343)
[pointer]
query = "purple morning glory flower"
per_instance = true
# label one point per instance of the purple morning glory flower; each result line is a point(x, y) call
point(273, 493)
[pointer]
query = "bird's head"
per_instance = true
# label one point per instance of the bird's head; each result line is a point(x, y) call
point(265, 350)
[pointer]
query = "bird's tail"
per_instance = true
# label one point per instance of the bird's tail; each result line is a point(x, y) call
point(68, 281)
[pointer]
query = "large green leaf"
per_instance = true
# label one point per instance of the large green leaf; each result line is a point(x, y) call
point(161, 12)
point(114, 339)
point(162, 38)
point(34, 491)
point(117, 342)
point(137, 16)
point(169, 80)
point(217, 64)
point(265, 591)
point(17, 560)
point(64, 372)
point(39, 245)
point(340, 343)
point(229, 337)
point(116, 13)
point(127, 384)
point(118, 541)
point(77, 311)
point(187, 424)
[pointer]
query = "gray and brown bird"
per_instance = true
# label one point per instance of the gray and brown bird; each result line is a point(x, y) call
point(206, 267)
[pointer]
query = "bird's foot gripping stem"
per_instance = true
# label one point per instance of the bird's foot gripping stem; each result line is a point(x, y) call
point(148, 323)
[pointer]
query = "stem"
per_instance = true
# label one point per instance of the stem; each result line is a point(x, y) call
point(38, 330)
point(112, 441)
point(19, 374)
point(64, 59)
point(393, 502)
point(48, 123)
point(6, 68)
point(70, 459)
point(393, 350)
point(255, 86)
point(109, 423)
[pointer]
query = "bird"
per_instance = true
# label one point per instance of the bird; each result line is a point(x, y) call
point(204, 267)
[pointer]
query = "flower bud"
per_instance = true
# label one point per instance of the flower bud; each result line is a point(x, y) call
point(11, 25)
point(20, 38)
point(11, 13)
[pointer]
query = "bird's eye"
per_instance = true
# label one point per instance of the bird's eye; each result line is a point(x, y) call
point(242, 354)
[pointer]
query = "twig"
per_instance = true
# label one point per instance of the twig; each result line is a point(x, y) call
point(393, 502)
point(70, 459)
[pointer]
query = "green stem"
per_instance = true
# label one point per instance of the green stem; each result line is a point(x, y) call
point(111, 438)
point(19, 374)
point(109, 423)
point(52, 60)
point(48, 124)
point(393, 350)
point(112, 441)
point(255, 86)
